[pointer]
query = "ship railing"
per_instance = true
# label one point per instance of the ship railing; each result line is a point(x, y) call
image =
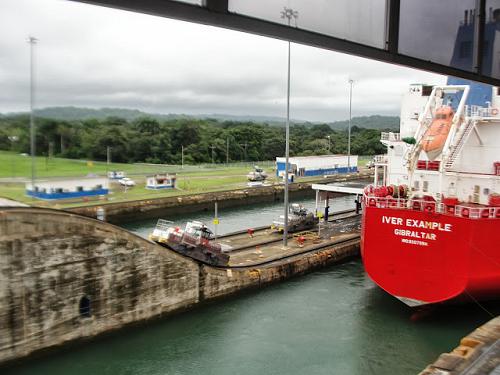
point(484, 212)
point(163, 225)
point(477, 212)
point(402, 203)
point(379, 202)
point(478, 111)
point(390, 136)
point(380, 159)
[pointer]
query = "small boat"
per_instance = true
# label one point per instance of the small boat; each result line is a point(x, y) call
point(435, 136)
point(299, 218)
point(195, 241)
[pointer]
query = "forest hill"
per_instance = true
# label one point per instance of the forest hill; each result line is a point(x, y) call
point(152, 141)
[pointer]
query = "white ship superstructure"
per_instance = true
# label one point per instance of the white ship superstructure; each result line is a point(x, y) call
point(467, 165)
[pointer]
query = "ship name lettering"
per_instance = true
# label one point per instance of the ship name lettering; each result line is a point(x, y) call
point(428, 225)
point(415, 234)
point(392, 220)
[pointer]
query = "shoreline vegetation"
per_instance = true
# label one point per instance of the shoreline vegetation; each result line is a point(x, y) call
point(190, 179)
point(217, 154)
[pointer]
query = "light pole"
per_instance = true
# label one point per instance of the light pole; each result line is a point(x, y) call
point(287, 13)
point(182, 156)
point(213, 148)
point(108, 158)
point(328, 137)
point(13, 139)
point(32, 41)
point(245, 145)
point(349, 130)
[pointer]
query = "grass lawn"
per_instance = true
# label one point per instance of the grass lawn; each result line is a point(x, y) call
point(14, 165)
point(191, 179)
point(186, 185)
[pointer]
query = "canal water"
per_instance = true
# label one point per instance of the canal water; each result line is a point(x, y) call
point(233, 219)
point(333, 321)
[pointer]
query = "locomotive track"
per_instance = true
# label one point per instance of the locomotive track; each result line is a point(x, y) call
point(262, 236)
point(353, 239)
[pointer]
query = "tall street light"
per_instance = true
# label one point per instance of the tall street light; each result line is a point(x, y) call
point(287, 13)
point(328, 137)
point(349, 130)
point(13, 139)
point(32, 41)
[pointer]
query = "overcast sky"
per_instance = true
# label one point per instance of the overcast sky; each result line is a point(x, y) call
point(99, 57)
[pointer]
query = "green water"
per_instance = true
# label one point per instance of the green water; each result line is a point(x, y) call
point(234, 219)
point(334, 321)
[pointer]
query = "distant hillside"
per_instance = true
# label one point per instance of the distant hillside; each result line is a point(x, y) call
point(82, 113)
point(369, 122)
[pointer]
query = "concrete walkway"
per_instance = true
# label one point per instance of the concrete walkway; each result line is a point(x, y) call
point(4, 202)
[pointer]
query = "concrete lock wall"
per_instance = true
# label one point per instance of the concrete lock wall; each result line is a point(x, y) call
point(64, 277)
point(153, 208)
point(49, 261)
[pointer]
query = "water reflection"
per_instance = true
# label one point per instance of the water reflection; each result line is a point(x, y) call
point(334, 321)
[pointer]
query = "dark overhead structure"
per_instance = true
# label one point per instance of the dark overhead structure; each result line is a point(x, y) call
point(450, 37)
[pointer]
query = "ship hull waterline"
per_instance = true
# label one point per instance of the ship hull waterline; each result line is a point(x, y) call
point(428, 258)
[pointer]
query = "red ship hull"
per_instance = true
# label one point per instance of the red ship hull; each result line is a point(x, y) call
point(426, 257)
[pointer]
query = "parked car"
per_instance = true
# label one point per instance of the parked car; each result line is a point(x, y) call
point(370, 164)
point(127, 182)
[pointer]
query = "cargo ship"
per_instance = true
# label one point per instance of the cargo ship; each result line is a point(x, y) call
point(431, 219)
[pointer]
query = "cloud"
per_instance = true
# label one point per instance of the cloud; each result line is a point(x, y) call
point(100, 57)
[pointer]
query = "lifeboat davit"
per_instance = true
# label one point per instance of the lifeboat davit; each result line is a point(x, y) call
point(435, 136)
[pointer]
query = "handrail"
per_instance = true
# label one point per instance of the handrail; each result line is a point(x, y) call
point(380, 158)
point(390, 136)
point(483, 212)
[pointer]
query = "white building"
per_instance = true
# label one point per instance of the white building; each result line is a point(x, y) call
point(318, 165)
point(66, 189)
point(161, 181)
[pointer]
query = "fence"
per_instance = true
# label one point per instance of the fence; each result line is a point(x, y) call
point(484, 212)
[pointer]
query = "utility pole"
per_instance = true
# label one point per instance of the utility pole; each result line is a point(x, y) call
point(108, 158)
point(182, 156)
point(349, 130)
point(12, 139)
point(32, 41)
point(287, 13)
point(212, 147)
point(51, 150)
point(227, 151)
point(244, 150)
point(216, 221)
point(50, 155)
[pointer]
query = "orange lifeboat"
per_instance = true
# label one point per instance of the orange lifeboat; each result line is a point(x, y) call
point(435, 136)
